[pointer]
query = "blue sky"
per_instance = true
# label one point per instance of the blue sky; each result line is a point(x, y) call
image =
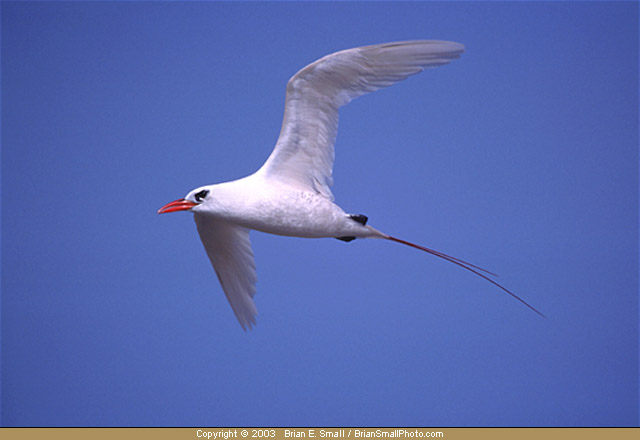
point(521, 157)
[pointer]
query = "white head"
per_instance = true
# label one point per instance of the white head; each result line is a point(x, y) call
point(191, 202)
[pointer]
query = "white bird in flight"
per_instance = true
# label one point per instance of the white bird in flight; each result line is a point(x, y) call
point(290, 194)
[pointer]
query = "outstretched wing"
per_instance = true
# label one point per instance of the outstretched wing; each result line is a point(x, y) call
point(229, 249)
point(304, 153)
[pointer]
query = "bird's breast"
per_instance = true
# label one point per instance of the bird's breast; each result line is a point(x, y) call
point(290, 213)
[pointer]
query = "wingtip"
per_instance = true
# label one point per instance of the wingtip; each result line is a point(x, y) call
point(247, 324)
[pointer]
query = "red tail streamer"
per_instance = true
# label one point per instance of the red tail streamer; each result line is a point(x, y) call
point(470, 267)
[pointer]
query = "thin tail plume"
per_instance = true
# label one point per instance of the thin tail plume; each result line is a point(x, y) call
point(470, 267)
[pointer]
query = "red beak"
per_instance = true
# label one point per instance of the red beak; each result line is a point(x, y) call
point(177, 205)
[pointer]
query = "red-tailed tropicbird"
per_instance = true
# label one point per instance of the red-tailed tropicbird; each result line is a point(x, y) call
point(290, 194)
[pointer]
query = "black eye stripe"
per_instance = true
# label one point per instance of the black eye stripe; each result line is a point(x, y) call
point(199, 196)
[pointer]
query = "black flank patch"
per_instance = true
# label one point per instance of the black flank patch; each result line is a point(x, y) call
point(360, 218)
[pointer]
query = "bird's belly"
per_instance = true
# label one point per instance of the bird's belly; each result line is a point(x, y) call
point(298, 214)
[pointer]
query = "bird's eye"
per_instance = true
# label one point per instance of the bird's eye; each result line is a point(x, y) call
point(200, 196)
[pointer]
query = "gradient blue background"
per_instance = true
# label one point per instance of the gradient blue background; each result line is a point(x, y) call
point(521, 157)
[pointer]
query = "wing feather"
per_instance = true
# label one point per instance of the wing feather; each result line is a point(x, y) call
point(229, 249)
point(304, 152)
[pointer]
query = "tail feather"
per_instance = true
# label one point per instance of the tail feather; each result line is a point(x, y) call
point(470, 267)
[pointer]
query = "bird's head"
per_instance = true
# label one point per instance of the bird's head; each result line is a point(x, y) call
point(191, 202)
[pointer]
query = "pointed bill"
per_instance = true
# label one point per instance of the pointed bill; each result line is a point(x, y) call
point(177, 205)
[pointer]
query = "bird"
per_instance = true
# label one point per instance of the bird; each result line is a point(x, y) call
point(290, 194)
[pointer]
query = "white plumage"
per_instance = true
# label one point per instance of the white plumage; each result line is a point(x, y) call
point(291, 193)
point(304, 151)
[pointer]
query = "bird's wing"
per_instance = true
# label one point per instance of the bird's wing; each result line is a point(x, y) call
point(304, 153)
point(229, 250)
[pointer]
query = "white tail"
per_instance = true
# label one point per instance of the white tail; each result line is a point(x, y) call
point(470, 267)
